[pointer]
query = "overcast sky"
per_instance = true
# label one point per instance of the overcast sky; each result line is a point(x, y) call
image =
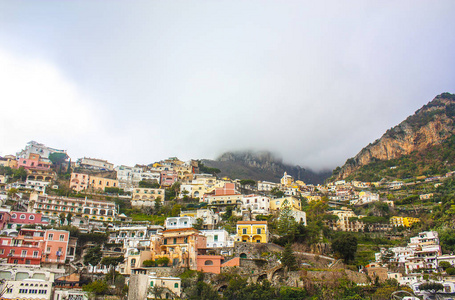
point(139, 81)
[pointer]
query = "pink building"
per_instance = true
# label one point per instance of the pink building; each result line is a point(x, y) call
point(79, 181)
point(33, 162)
point(5, 217)
point(20, 217)
point(168, 178)
point(35, 246)
point(228, 189)
point(209, 263)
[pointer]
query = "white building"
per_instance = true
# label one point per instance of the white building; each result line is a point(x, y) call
point(96, 164)
point(266, 186)
point(256, 204)
point(43, 151)
point(179, 222)
point(129, 177)
point(218, 238)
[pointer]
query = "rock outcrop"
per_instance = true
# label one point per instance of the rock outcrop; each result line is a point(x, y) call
point(429, 126)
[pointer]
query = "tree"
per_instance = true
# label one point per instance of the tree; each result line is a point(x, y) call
point(57, 158)
point(198, 224)
point(288, 258)
point(69, 217)
point(450, 271)
point(98, 287)
point(163, 261)
point(62, 218)
point(444, 265)
point(151, 184)
point(228, 213)
point(431, 287)
point(20, 173)
point(244, 182)
point(93, 256)
point(158, 204)
point(149, 263)
point(345, 245)
point(286, 222)
point(277, 193)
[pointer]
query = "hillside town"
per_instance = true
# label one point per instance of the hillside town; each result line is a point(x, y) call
point(79, 228)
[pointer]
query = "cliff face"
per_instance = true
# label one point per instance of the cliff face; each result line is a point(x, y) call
point(429, 126)
point(261, 166)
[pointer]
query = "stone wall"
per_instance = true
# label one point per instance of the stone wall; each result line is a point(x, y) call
point(138, 287)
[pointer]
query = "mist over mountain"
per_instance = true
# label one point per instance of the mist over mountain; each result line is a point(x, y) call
point(262, 165)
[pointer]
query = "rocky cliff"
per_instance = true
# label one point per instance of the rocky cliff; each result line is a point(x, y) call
point(261, 166)
point(429, 126)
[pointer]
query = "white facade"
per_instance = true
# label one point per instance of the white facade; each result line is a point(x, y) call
point(266, 186)
point(43, 151)
point(256, 204)
point(218, 238)
point(179, 222)
point(94, 163)
point(129, 177)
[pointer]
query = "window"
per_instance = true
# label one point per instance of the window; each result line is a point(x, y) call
point(175, 240)
point(258, 231)
point(51, 236)
point(35, 253)
point(62, 237)
point(13, 216)
point(176, 285)
point(244, 231)
point(42, 291)
point(151, 283)
point(31, 217)
point(24, 253)
point(22, 217)
point(216, 238)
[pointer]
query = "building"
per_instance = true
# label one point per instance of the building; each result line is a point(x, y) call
point(252, 231)
point(179, 222)
point(43, 151)
point(144, 284)
point(255, 204)
point(208, 217)
point(225, 196)
point(145, 197)
point(129, 177)
point(181, 246)
point(95, 164)
point(11, 222)
point(218, 238)
point(53, 206)
point(36, 246)
point(266, 186)
point(27, 282)
point(278, 204)
point(347, 220)
point(80, 182)
point(403, 221)
point(168, 178)
point(287, 180)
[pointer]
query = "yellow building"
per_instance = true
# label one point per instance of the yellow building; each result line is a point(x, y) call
point(313, 198)
point(100, 183)
point(146, 196)
point(279, 204)
point(252, 231)
point(405, 222)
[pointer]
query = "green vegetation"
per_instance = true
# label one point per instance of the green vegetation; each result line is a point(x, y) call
point(436, 160)
point(345, 245)
point(288, 259)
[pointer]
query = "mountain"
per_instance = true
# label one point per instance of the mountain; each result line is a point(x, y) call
point(261, 166)
point(422, 144)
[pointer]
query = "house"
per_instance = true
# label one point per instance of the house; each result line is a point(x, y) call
point(403, 221)
point(145, 197)
point(181, 246)
point(278, 204)
point(252, 231)
point(33, 162)
point(255, 204)
point(95, 164)
point(179, 222)
point(218, 238)
point(43, 151)
point(144, 284)
point(208, 217)
point(35, 246)
point(224, 196)
point(266, 186)
point(209, 263)
point(168, 178)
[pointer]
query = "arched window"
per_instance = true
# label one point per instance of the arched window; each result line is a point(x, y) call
point(13, 216)
point(208, 263)
point(22, 217)
point(31, 217)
